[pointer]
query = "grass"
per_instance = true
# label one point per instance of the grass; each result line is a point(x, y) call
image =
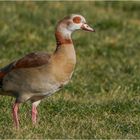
point(102, 99)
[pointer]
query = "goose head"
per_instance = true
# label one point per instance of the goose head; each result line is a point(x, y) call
point(72, 23)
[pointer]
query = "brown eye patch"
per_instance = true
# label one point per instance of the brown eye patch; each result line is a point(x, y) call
point(77, 19)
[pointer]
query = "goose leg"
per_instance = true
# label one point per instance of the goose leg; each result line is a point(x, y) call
point(34, 111)
point(15, 114)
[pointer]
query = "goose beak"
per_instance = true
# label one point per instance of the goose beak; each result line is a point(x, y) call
point(86, 27)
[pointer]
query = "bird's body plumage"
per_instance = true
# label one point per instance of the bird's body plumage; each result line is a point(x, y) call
point(38, 74)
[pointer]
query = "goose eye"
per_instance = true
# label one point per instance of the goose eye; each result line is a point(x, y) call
point(77, 20)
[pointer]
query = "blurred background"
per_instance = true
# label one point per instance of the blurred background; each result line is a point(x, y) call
point(103, 97)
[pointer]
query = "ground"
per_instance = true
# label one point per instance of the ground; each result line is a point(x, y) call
point(103, 98)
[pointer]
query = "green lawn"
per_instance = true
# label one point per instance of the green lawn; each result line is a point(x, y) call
point(103, 98)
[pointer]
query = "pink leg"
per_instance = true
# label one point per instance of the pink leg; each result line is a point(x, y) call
point(15, 114)
point(34, 114)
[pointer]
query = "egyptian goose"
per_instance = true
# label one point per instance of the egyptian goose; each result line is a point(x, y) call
point(38, 75)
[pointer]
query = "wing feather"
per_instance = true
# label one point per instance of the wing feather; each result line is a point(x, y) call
point(29, 61)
